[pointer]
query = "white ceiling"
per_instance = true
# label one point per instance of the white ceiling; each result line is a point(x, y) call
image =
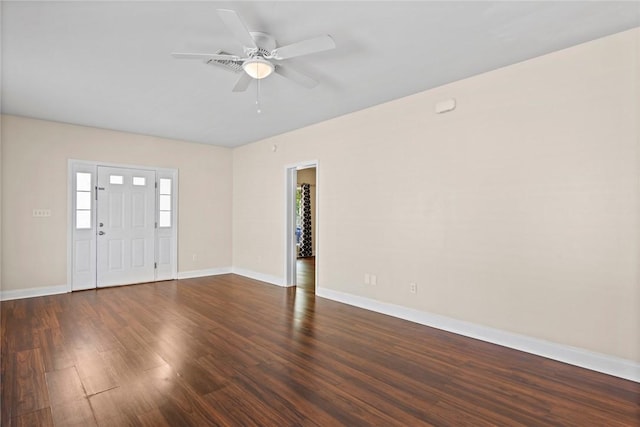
point(108, 64)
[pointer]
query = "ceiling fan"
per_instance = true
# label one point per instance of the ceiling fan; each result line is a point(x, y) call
point(261, 54)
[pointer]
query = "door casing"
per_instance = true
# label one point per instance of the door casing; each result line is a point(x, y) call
point(166, 271)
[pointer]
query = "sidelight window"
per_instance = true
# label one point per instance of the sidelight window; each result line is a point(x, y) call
point(164, 220)
point(83, 200)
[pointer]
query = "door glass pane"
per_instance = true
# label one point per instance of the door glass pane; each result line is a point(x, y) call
point(83, 219)
point(83, 200)
point(165, 186)
point(83, 181)
point(165, 202)
point(139, 180)
point(165, 219)
point(116, 179)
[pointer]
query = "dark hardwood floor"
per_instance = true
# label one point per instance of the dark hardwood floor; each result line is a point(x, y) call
point(306, 274)
point(228, 350)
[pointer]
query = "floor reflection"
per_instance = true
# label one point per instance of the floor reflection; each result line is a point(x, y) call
point(306, 274)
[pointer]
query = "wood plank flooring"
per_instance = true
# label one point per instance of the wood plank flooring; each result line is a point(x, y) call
point(306, 274)
point(227, 350)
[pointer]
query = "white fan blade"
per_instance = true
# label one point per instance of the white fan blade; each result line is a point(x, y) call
point(237, 26)
point(218, 56)
point(243, 83)
point(304, 47)
point(296, 76)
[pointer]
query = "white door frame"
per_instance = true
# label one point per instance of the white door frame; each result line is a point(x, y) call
point(290, 254)
point(73, 166)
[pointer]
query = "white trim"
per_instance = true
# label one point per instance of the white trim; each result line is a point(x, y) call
point(33, 292)
point(203, 273)
point(273, 280)
point(70, 210)
point(290, 249)
point(599, 362)
point(316, 237)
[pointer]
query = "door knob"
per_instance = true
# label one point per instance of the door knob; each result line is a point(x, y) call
point(101, 233)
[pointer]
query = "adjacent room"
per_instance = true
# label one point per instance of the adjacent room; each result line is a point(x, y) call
point(320, 213)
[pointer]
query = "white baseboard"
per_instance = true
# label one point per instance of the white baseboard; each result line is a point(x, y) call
point(33, 292)
point(610, 365)
point(54, 290)
point(202, 273)
point(273, 280)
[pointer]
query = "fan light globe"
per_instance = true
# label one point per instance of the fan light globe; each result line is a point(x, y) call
point(258, 68)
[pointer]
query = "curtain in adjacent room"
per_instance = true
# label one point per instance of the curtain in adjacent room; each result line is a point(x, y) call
point(306, 245)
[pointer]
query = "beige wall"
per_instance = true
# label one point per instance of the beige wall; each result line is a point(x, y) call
point(518, 211)
point(34, 175)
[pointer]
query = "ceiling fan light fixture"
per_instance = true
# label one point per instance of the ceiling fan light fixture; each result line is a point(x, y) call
point(258, 68)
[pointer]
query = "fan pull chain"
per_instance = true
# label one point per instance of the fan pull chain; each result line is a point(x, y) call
point(258, 97)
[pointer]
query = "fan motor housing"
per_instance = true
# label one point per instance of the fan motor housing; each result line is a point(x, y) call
point(265, 42)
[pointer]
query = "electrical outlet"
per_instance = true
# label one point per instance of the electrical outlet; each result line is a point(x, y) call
point(194, 257)
point(413, 288)
point(374, 280)
point(367, 278)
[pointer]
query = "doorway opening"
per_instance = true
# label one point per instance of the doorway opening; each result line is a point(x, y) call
point(306, 229)
point(302, 226)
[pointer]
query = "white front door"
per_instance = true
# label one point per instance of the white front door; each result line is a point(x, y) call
point(125, 221)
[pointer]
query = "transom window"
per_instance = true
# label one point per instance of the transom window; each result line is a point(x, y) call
point(116, 179)
point(139, 181)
